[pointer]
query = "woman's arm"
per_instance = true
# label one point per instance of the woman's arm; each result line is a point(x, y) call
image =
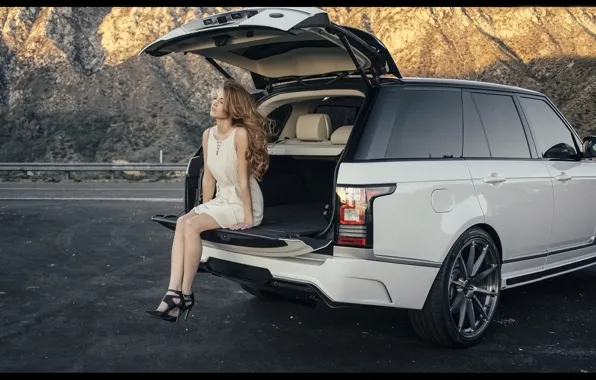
point(208, 184)
point(243, 175)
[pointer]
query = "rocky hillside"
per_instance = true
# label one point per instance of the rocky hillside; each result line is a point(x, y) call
point(72, 87)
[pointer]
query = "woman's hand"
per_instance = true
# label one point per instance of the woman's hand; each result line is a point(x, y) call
point(241, 226)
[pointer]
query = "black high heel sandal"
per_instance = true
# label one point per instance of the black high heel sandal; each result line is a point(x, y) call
point(169, 300)
point(187, 304)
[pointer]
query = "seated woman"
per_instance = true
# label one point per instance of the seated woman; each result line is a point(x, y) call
point(236, 157)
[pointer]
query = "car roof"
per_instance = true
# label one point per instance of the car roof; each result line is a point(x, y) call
point(448, 82)
point(468, 84)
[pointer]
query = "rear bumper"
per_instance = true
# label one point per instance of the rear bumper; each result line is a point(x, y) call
point(337, 281)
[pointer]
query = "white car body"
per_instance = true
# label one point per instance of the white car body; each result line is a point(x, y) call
point(535, 209)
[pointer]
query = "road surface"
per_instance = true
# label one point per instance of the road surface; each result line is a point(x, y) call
point(80, 265)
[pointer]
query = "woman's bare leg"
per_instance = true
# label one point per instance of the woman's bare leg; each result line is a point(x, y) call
point(177, 261)
point(193, 247)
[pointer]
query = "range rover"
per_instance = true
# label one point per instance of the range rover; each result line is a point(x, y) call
point(431, 195)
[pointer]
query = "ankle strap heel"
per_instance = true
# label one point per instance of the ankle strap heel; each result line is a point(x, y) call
point(187, 304)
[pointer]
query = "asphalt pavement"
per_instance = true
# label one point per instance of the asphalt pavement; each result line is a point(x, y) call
point(81, 262)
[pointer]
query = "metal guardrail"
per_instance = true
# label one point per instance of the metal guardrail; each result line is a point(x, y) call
point(78, 166)
point(89, 167)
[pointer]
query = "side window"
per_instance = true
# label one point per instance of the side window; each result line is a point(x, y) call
point(379, 120)
point(475, 142)
point(552, 136)
point(502, 125)
point(428, 124)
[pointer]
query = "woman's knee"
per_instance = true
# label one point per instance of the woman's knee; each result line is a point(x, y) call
point(192, 226)
point(198, 224)
point(181, 222)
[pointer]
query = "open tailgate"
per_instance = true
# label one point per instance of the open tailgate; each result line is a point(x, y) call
point(277, 44)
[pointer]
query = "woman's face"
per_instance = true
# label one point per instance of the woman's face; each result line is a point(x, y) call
point(217, 105)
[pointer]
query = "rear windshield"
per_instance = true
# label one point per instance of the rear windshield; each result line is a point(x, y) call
point(279, 116)
point(342, 111)
point(339, 116)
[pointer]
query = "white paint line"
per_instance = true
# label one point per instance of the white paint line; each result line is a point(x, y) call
point(89, 189)
point(170, 200)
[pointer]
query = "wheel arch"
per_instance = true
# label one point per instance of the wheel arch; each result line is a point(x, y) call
point(494, 235)
point(477, 223)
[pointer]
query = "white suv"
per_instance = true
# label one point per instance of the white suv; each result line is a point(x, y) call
point(430, 195)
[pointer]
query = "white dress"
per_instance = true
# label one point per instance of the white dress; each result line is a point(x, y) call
point(226, 207)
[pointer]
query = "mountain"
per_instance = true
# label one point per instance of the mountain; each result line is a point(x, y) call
point(73, 88)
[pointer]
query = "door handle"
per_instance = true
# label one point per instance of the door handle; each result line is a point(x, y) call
point(494, 179)
point(563, 177)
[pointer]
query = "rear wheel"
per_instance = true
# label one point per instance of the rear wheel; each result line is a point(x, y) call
point(465, 295)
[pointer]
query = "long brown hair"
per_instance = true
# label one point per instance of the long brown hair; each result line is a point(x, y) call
point(242, 109)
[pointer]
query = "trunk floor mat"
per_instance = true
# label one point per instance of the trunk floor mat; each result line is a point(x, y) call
point(299, 218)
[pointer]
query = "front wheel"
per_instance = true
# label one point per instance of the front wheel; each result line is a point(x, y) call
point(465, 295)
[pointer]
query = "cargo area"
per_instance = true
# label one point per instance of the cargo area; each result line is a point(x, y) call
point(297, 191)
point(298, 188)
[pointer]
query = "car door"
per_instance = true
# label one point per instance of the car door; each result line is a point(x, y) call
point(514, 187)
point(573, 178)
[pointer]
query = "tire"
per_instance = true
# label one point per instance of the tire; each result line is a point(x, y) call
point(435, 322)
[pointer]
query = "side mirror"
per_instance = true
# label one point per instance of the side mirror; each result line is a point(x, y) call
point(589, 146)
point(561, 151)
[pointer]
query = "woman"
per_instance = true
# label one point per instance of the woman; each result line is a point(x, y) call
point(235, 156)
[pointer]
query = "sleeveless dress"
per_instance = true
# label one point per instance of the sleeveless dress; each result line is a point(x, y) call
point(226, 207)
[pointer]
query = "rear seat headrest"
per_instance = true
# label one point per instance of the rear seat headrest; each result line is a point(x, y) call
point(313, 127)
point(341, 134)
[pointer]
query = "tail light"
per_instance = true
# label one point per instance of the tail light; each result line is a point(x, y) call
point(355, 214)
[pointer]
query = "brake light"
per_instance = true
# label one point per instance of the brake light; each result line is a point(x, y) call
point(355, 213)
point(353, 205)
